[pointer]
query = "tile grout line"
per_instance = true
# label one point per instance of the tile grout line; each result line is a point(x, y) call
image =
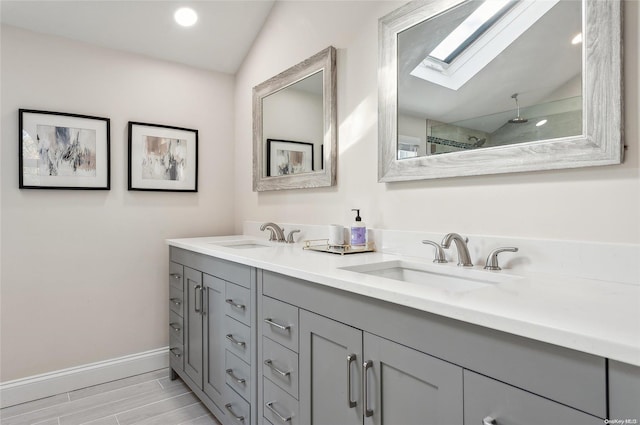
point(152, 403)
point(195, 419)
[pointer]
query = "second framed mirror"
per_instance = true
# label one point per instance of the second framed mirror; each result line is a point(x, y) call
point(294, 126)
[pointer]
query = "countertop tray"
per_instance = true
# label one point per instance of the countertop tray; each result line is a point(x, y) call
point(322, 245)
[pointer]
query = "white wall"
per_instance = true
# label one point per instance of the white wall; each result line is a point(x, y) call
point(594, 204)
point(84, 273)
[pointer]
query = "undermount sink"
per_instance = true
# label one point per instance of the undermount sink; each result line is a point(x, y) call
point(241, 244)
point(450, 279)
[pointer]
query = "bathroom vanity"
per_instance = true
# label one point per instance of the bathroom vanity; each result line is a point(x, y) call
point(274, 334)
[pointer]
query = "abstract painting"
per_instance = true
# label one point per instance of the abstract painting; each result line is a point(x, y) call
point(162, 158)
point(286, 157)
point(63, 151)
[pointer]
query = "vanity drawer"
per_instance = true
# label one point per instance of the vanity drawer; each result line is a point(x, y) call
point(238, 375)
point(176, 357)
point(486, 399)
point(279, 407)
point(238, 303)
point(237, 338)
point(280, 322)
point(176, 303)
point(280, 365)
point(237, 408)
point(176, 327)
point(176, 272)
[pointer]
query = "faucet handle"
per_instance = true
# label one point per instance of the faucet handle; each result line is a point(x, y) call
point(439, 251)
point(290, 236)
point(492, 259)
point(272, 234)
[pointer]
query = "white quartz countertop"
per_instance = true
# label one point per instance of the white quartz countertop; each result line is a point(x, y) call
point(593, 316)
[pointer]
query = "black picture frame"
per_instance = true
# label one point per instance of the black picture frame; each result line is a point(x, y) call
point(279, 164)
point(59, 150)
point(162, 158)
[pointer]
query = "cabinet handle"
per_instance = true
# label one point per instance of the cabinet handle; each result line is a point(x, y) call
point(176, 275)
point(269, 363)
point(196, 290)
point(236, 417)
point(350, 359)
point(365, 367)
point(235, 341)
point(175, 327)
point(277, 325)
point(489, 421)
point(234, 377)
point(240, 306)
point(176, 301)
point(176, 352)
point(275, 412)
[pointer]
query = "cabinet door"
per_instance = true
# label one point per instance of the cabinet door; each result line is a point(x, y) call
point(193, 325)
point(405, 386)
point(330, 360)
point(213, 314)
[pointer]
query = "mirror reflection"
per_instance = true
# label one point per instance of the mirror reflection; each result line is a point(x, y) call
point(490, 73)
point(293, 128)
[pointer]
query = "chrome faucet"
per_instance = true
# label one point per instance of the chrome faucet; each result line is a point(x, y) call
point(464, 259)
point(277, 233)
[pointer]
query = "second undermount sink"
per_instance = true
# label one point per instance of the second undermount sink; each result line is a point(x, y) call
point(450, 279)
point(242, 244)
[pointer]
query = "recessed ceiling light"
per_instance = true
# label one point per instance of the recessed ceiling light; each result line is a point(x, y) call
point(185, 16)
point(577, 39)
point(541, 123)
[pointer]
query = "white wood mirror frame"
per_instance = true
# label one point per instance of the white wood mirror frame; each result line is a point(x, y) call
point(601, 141)
point(325, 62)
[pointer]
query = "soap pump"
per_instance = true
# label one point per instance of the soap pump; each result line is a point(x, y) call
point(358, 230)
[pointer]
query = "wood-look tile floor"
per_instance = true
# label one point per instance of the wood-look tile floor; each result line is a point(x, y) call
point(148, 399)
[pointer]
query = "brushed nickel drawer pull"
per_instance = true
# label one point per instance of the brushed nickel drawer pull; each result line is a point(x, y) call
point(235, 341)
point(277, 325)
point(176, 301)
point(236, 417)
point(350, 359)
point(197, 305)
point(175, 327)
point(489, 421)
point(234, 377)
point(176, 352)
point(365, 367)
point(275, 412)
point(233, 304)
point(176, 275)
point(270, 365)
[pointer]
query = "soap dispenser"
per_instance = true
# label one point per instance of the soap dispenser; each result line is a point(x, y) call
point(358, 230)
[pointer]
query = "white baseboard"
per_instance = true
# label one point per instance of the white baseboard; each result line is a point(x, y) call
point(61, 381)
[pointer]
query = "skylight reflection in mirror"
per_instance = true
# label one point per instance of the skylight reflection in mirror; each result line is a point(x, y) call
point(470, 29)
point(522, 64)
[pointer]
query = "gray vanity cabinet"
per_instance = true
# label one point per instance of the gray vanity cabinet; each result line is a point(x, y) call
point(212, 289)
point(330, 373)
point(204, 348)
point(213, 349)
point(193, 325)
point(176, 318)
point(348, 375)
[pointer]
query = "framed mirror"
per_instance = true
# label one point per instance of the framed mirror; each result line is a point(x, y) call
point(497, 86)
point(294, 126)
